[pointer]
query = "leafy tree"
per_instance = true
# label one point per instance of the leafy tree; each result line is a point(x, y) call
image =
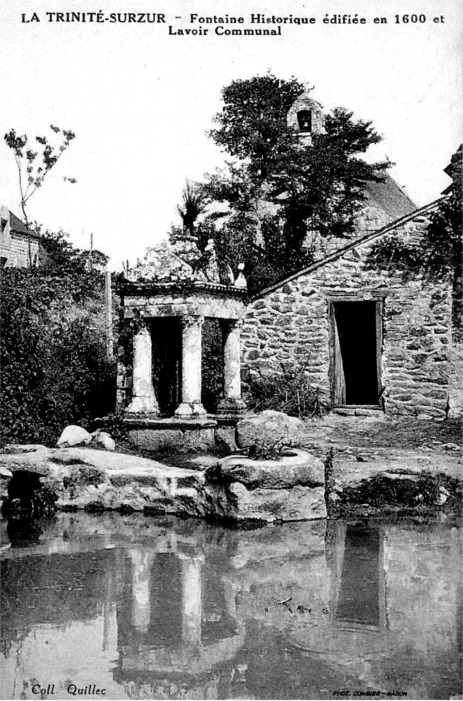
point(278, 188)
point(34, 163)
point(252, 123)
point(62, 256)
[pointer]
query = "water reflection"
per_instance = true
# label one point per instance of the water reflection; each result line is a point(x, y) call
point(151, 609)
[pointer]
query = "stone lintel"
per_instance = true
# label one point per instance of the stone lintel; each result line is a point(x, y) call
point(215, 309)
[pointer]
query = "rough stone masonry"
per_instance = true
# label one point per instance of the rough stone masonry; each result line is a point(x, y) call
point(290, 323)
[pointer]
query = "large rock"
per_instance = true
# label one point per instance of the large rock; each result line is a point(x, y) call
point(289, 489)
point(268, 429)
point(300, 468)
point(234, 501)
point(74, 435)
point(83, 478)
point(238, 489)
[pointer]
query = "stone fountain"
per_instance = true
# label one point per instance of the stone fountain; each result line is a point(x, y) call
point(178, 283)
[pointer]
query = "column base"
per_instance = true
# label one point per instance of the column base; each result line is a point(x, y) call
point(143, 405)
point(189, 410)
point(232, 406)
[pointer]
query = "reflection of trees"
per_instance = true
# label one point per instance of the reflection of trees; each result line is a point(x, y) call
point(53, 589)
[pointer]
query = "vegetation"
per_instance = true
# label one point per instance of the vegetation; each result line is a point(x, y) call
point(34, 166)
point(438, 253)
point(277, 190)
point(287, 390)
point(426, 491)
point(54, 366)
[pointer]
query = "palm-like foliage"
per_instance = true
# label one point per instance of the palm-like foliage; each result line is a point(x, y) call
point(194, 202)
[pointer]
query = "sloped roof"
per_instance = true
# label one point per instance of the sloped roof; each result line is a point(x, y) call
point(353, 244)
point(17, 226)
point(389, 197)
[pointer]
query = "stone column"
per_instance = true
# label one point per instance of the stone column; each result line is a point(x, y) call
point(191, 368)
point(232, 402)
point(143, 396)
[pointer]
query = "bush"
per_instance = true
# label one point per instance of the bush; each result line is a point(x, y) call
point(54, 366)
point(288, 390)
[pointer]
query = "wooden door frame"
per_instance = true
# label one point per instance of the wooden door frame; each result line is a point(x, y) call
point(379, 321)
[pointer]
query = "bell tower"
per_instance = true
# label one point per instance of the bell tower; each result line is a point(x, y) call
point(306, 118)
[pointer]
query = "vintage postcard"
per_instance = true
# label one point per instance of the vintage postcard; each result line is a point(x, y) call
point(231, 349)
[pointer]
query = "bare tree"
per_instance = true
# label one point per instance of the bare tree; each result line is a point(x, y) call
point(34, 165)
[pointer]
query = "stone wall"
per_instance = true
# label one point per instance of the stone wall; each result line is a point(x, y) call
point(14, 248)
point(290, 324)
point(455, 382)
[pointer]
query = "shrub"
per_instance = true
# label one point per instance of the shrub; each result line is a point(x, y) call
point(288, 390)
point(54, 367)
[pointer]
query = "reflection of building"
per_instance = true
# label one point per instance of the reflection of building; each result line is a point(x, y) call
point(177, 617)
point(197, 611)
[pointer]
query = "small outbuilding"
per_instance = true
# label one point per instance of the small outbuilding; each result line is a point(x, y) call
point(368, 339)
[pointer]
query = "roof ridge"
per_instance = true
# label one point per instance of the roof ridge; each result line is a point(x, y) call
point(349, 247)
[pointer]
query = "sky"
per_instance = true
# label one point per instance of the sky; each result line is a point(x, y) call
point(141, 99)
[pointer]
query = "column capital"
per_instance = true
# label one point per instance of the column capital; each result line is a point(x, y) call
point(140, 327)
point(191, 320)
point(232, 324)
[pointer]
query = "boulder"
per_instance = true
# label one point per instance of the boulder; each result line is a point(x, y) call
point(237, 503)
point(74, 435)
point(299, 468)
point(101, 439)
point(84, 478)
point(268, 429)
point(289, 489)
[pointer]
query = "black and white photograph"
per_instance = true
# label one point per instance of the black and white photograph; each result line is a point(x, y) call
point(231, 346)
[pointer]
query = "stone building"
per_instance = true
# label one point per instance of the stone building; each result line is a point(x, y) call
point(369, 339)
point(15, 241)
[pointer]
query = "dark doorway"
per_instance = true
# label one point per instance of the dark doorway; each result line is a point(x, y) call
point(356, 345)
point(166, 334)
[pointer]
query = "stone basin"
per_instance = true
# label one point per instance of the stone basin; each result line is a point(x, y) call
point(291, 488)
